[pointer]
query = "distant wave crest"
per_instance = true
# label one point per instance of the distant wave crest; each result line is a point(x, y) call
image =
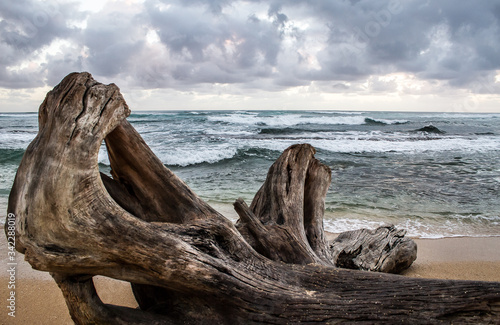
point(299, 119)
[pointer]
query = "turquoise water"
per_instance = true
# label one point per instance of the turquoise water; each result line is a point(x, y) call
point(440, 181)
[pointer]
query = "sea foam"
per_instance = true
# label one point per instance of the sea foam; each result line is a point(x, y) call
point(191, 156)
point(298, 119)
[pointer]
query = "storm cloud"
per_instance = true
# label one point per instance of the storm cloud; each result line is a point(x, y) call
point(355, 46)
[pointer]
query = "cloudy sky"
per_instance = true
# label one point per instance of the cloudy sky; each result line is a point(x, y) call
point(441, 55)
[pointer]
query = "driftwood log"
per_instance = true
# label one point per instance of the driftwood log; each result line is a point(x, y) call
point(188, 264)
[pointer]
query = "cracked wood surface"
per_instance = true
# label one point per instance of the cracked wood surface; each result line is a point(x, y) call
point(189, 264)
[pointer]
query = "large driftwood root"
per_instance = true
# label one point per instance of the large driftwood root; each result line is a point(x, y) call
point(285, 221)
point(188, 263)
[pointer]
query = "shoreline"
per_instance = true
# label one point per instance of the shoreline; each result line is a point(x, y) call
point(352, 221)
point(39, 300)
point(457, 258)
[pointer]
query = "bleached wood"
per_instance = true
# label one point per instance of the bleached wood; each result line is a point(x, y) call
point(188, 263)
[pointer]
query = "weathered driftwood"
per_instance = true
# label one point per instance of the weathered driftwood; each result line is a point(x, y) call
point(384, 249)
point(285, 221)
point(188, 263)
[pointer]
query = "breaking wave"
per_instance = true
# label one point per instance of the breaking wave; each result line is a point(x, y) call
point(289, 120)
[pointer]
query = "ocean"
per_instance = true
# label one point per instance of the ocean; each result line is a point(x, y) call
point(434, 174)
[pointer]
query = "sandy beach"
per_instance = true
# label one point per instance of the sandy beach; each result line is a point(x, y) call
point(39, 300)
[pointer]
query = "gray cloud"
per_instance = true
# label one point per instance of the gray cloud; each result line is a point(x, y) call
point(27, 27)
point(60, 64)
point(277, 44)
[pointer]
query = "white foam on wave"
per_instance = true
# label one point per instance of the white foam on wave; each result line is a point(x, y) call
point(184, 156)
point(228, 132)
point(339, 225)
point(191, 156)
point(406, 145)
point(103, 156)
point(287, 120)
point(453, 226)
point(439, 227)
point(254, 119)
point(16, 140)
point(375, 142)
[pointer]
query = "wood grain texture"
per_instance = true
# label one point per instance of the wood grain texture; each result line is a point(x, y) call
point(189, 264)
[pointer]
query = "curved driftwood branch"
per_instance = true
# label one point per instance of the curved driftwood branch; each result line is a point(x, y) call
point(286, 218)
point(188, 264)
point(285, 221)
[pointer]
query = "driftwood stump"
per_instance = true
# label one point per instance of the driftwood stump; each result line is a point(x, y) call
point(187, 263)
